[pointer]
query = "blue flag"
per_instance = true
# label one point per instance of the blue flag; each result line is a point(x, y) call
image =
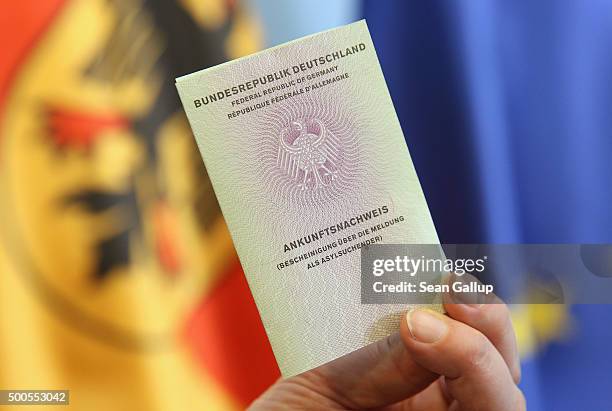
point(507, 111)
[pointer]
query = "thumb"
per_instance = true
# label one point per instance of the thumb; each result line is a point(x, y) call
point(476, 375)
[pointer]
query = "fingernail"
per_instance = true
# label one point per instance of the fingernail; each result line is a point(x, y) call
point(461, 291)
point(466, 298)
point(425, 325)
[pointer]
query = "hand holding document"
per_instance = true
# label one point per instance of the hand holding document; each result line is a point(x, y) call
point(309, 164)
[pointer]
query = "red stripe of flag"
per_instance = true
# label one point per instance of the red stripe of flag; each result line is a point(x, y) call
point(229, 339)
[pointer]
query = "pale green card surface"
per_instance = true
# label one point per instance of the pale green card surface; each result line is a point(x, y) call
point(308, 162)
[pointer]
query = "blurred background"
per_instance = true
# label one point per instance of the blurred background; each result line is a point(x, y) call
point(118, 279)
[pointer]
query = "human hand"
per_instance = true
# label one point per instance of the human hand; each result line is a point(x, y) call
point(465, 360)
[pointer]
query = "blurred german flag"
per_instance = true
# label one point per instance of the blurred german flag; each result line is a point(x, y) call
point(118, 279)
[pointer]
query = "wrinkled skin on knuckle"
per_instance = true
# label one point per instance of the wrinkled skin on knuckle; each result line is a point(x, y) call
point(477, 354)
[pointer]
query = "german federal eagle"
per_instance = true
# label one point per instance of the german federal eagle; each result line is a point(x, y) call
point(311, 158)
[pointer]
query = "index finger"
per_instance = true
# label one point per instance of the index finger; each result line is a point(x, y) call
point(476, 374)
point(492, 318)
